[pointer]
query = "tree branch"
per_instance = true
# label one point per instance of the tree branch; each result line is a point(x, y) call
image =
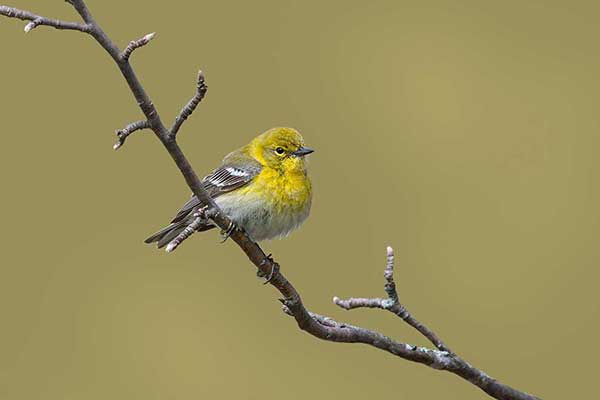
point(318, 326)
point(392, 304)
point(123, 134)
point(189, 108)
point(186, 233)
point(37, 20)
point(136, 44)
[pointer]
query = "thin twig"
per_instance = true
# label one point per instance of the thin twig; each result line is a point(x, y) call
point(136, 44)
point(392, 304)
point(316, 325)
point(189, 108)
point(388, 274)
point(186, 233)
point(123, 134)
point(37, 20)
point(32, 25)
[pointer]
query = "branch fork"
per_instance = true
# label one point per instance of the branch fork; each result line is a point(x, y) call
point(33, 24)
point(392, 304)
point(319, 326)
point(36, 20)
point(190, 107)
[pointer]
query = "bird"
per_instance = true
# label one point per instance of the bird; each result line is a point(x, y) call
point(263, 187)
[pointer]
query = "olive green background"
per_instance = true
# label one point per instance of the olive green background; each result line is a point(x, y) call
point(465, 134)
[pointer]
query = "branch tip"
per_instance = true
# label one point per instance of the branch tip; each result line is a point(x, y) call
point(190, 107)
point(32, 25)
point(186, 233)
point(170, 247)
point(136, 44)
point(37, 20)
point(123, 134)
point(390, 251)
point(388, 272)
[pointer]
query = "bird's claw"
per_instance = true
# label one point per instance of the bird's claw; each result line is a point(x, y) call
point(227, 233)
point(265, 260)
point(201, 213)
point(272, 273)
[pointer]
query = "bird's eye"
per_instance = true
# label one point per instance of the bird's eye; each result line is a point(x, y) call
point(279, 150)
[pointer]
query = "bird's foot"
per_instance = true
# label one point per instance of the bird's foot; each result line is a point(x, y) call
point(272, 273)
point(260, 273)
point(201, 213)
point(227, 233)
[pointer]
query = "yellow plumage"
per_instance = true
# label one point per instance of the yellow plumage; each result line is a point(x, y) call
point(288, 190)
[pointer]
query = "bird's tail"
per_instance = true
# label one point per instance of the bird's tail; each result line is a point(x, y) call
point(166, 234)
point(170, 232)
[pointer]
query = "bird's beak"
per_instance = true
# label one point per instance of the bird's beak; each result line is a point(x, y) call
point(303, 151)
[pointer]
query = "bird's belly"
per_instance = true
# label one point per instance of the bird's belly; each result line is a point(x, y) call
point(260, 218)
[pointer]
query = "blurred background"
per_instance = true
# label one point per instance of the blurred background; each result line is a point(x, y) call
point(464, 134)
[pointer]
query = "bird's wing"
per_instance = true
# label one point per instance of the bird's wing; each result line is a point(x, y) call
point(230, 176)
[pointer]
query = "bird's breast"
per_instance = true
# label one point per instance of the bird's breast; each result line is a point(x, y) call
point(271, 206)
point(290, 191)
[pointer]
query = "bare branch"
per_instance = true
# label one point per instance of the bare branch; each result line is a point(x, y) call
point(314, 324)
point(83, 11)
point(122, 134)
point(136, 44)
point(186, 233)
point(331, 330)
point(388, 274)
point(346, 333)
point(392, 304)
point(37, 20)
point(189, 108)
point(359, 302)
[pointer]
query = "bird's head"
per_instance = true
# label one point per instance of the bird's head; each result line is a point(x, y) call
point(282, 149)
